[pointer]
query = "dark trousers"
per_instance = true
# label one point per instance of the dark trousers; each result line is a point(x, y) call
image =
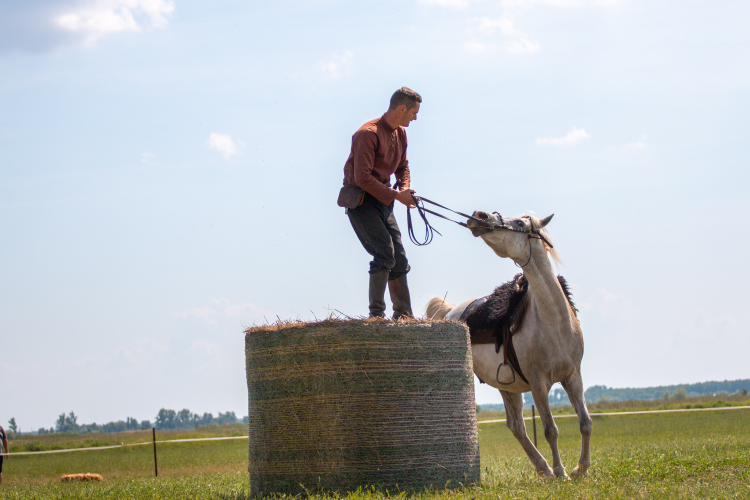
point(377, 230)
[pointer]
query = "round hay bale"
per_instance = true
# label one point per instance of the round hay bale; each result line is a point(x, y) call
point(335, 405)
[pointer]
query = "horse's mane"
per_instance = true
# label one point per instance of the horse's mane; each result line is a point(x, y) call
point(535, 223)
point(506, 308)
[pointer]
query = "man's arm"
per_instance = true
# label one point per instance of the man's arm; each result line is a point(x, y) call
point(403, 180)
point(364, 144)
point(403, 174)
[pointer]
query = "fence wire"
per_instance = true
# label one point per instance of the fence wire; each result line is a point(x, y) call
point(166, 441)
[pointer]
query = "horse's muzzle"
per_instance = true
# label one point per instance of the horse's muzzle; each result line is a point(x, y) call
point(480, 226)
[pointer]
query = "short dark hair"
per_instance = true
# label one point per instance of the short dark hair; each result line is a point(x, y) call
point(406, 96)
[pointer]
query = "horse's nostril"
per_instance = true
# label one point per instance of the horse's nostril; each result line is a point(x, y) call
point(482, 216)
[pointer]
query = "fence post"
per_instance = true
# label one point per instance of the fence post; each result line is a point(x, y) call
point(533, 422)
point(156, 469)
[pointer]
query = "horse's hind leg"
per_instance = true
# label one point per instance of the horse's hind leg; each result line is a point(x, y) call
point(514, 419)
point(574, 387)
point(541, 399)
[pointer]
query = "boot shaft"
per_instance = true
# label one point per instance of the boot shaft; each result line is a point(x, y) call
point(400, 297)
point(378, 282)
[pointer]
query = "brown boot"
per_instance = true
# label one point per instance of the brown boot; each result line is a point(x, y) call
point(378, 282)
point(399, 289)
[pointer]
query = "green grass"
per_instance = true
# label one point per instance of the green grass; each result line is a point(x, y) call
point(682, 455)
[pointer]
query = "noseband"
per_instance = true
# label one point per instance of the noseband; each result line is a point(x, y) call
point(532, 231)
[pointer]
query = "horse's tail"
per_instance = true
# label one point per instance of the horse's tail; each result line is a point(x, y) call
point(438, 308)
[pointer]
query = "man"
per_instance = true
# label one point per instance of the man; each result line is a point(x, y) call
point(3, 451)
point(379, 151)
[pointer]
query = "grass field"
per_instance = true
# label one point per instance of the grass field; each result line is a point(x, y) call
point(682, 455)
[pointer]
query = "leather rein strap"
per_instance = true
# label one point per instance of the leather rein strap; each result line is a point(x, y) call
point(429, 230)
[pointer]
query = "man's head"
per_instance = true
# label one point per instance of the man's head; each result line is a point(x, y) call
point(404, 106)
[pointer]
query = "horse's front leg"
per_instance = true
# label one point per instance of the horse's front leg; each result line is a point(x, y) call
point(574, 387)
point(514, 419)
point(541, 399)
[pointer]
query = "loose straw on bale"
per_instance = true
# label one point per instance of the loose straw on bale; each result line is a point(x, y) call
point(335, 405)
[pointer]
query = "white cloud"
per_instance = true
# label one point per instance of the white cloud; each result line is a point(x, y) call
point(522, 46)
point(458, 4)
point(504, 23)
point(574, 137)
point(237, 310)
point(518, 44)
point(570, 4)
point(609, 305)
point(207, 356)
point(207, 314)
point(206, 348)
point(133, 353)
point(461, 4)
point(143, 351)
point(148, 158)
point(475, 46)
point(223, 143)
point(220, 309)
point(641, 144)
point(337, 65)
point(96, 18)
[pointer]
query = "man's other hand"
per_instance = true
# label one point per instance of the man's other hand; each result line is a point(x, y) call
point(405, 197)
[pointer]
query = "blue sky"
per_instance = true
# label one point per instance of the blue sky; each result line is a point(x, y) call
point(169, 170)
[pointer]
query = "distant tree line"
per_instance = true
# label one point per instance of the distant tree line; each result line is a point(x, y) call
point(597, 393)
point(185, 419)
point(165, 419)
point(681, 391)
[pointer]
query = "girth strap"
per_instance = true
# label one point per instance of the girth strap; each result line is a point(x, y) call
point(509, 353)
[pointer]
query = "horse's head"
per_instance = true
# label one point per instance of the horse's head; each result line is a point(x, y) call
point(512, 236)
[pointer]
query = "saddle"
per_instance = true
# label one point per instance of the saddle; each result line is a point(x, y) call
point(494, 318)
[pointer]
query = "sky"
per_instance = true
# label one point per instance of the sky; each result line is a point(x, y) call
point(169, 172)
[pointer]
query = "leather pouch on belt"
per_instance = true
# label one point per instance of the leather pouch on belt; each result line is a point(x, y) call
point(351, 196)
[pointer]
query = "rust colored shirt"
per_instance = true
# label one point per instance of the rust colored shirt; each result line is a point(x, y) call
point(378, 151)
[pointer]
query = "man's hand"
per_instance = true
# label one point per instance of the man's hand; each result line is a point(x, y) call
point(405, 197)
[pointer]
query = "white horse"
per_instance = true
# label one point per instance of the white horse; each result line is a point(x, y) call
point(548, 341)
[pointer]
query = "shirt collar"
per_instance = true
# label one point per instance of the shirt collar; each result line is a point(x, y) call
point(385, 125)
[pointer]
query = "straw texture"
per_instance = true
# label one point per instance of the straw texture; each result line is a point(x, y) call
point(335, 405)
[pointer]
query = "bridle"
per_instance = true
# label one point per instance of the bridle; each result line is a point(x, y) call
point(531, 232)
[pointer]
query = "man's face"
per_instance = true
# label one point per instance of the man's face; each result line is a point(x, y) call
point(409, 115)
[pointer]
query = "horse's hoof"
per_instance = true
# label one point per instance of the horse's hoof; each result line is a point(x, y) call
point(561, 475)
point(579, 472)
point(546, 473)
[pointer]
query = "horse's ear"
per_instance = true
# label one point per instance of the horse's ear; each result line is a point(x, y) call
point(545, 221)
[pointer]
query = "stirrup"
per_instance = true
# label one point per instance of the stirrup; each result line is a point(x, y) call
point(497, 375)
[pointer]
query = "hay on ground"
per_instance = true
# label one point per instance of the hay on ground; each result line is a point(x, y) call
point(66, 478)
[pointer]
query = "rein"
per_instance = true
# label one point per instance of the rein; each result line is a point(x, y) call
point(429, 230)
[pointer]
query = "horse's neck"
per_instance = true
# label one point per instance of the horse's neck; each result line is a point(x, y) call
point(546, 294)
